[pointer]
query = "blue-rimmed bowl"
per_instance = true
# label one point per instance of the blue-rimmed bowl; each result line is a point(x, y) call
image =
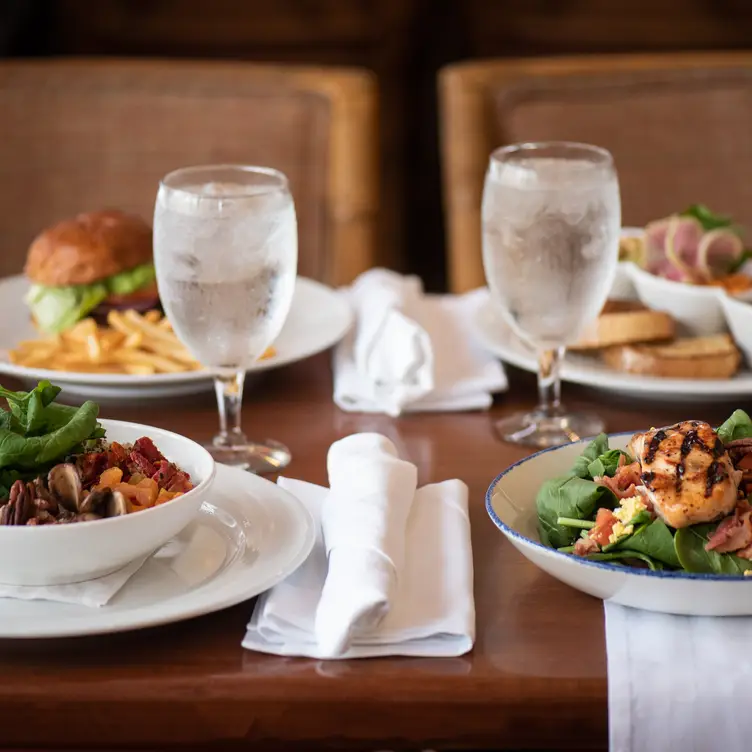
point(510, 502)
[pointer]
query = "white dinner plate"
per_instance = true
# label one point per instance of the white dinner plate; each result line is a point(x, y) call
point(250, 536)
point(495, 335)
point(318, 319)
point(510, 502)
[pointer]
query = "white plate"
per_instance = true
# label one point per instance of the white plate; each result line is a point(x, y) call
point(250, 537)
point(510, 502)
point(494, 334)
point(318, 319)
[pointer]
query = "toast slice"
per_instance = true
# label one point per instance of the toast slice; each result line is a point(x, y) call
point(623, 322)
point(715, 357)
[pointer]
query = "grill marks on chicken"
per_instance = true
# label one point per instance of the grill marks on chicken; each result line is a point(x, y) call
point(686, 473)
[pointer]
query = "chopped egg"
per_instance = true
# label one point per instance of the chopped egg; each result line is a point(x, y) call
point(748, 572)
point(619, 530)
point(629, 509)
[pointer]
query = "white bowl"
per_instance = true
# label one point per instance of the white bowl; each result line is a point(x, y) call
point(510, 502)
point(739, 318)
point(59, 554)
point(696, 309)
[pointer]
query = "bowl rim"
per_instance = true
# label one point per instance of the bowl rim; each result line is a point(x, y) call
point(578, 561)
point(201, 486)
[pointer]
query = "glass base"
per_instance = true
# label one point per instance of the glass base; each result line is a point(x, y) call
point(269, 457)
point(541, 430)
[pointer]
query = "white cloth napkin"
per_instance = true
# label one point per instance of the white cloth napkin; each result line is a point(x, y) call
point(422, 606)
point(678, 683)
point(412, 352)
point(363, 522)
point(92, 593)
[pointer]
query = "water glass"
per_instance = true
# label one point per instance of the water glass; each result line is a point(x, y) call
point(551, 219)
point(225, 251)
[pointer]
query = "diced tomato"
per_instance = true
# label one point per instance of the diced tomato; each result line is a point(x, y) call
point(604, 525)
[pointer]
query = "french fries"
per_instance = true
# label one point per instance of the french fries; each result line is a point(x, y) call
point(131, 343)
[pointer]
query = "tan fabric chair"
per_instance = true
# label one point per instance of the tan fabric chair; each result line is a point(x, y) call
point(679, 127)
point(78, 135)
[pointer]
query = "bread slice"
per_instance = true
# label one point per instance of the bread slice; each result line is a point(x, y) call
point(715, 357)
point(624, 322)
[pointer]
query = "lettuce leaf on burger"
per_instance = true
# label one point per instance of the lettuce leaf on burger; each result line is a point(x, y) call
point(88, 266)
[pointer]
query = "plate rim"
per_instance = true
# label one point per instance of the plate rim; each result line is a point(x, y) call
point(211, 602)
point(118, 382)
point(591, 377)
point(596, 565)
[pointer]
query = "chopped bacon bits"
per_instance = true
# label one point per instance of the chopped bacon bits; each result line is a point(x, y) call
point(625, 481)
point(585, 546)
point(140, 472)
point(734, 533)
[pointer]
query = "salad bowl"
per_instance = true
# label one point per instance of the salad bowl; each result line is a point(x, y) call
point(62, 554)
point(511, 505)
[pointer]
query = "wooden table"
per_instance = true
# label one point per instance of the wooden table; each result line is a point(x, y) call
point(536, 678)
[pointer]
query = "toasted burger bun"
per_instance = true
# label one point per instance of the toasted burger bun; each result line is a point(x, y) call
point(88, 248)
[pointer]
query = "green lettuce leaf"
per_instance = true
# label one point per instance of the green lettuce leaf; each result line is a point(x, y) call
point(58, 308)
point(134, 279)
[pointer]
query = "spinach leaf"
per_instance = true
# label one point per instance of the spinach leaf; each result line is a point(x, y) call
point(738, 426)
point(708, 219)
point(617, 556)
point(568, 496)
point(689, 543)
point(654, 540)
point(607, 463)
point(597, 447)
point(26, 453)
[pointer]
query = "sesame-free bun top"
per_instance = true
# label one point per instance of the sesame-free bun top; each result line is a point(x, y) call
point(88, 248)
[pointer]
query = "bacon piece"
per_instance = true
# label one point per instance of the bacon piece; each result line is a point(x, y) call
point(625, 481)
point(164, 473)
point(604, 525)
point(585, 546)
point(145, 446)
point(117, 455)
point(91, 466)
point(734, 533)
point(142, 463)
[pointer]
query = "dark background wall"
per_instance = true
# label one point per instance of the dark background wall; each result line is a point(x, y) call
point(404, 41)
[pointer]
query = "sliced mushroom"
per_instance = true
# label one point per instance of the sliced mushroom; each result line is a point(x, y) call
point(64, 483)
point(117, 505)
point(95, 501)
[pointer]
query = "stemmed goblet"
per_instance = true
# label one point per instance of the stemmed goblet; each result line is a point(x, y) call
point(225, 251)
point(551, 218)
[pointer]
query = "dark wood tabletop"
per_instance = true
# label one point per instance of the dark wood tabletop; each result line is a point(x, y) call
point(535, 680)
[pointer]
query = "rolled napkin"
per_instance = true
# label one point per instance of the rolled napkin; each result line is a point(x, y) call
point(412, 352)
point(432, 612)
point(92, 593)
point(677, 682)
point(364, 522)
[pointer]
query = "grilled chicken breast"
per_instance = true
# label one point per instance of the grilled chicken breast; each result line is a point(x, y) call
point(686, 473)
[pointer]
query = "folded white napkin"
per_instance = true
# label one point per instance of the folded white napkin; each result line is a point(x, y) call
point(678, 682)
point(412, 352)
point(373, 603)
point(363, 522)
point(92, 593)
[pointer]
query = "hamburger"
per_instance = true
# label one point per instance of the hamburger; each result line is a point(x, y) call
point(88, 266)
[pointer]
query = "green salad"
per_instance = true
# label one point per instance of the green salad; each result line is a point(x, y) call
point(36, 432)
point(676, 500)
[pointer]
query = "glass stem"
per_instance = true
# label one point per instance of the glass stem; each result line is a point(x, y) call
point(549, 381)
point(229, 388)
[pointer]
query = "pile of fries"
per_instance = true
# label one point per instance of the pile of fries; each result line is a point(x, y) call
point(132, 343)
